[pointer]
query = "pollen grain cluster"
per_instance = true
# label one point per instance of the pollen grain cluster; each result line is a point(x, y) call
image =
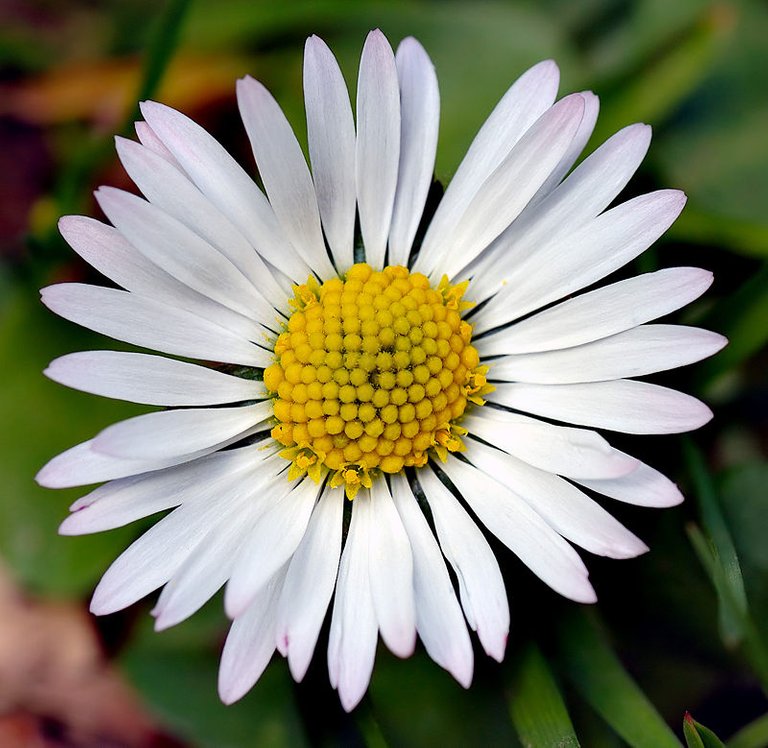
point(371, 372)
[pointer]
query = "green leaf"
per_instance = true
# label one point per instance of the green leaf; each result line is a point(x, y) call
point(176, 673)
point(537, 709)
point(161, 48)
point(745, 507)
point(699, 226)
point(42, 419)
point(717, 554)
point(416, 704)
point(598, 675)
point(717, 150)
point(652, 94)
point(725, 569)
point(698, 736)
point(741, 318)
point(90, 149)
point(754, 735)
point(754, 648)
point(745, 504)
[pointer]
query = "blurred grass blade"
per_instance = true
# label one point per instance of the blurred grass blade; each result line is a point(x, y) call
point(652, 94)
point(162, 47)
point(731, 614)
point(754, 735)
point(742, 319)
point(698, 736)
point(537, 709)
point(697, 226)
point(74, 176)
point(726, 571)
point(370, 729)
point(601, 679)
point(753, 646)
point(717, 554)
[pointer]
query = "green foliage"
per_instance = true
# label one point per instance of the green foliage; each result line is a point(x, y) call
point(698, 736)
point(537, 709)
point(753, 735)
point(161, 48)
point(415, 702)
point(176, 672)
point(717, 554)
point(598, 675)
point(742, 318)
point(47, 419)
point(724, 563)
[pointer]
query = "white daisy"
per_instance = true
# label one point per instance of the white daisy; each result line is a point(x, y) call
point(372, 367)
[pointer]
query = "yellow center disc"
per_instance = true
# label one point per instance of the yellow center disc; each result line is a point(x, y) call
point(371, 373)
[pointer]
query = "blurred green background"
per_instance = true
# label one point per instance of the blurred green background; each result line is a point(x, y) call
point(680, 629)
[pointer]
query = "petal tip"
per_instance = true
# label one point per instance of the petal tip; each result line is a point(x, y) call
point(719, 342)
point(228, 693)
point(99, 606)
point(46, 476)
point(68, 527)
point(350, 699)
point(297, 667)
point(162, 622)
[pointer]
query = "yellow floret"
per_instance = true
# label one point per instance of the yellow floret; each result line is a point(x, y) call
point(372, 371)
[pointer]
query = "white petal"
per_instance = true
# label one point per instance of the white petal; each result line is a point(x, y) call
point(118, 503)
point(81, 465)
point(309, 584)
point(574, 453)
point(353, 635)
point(151, 324)
point(273, 541)
point(571, 262)
point(600, 313)
point(481, 585)
point(250, 643)
point(622, 405)
point(644, 486)
point(151, 380)
point(565, 509)
point(523, 531)
point(582, 196)
point(525, 101)
point(633, 353)
point(205, 571)
point(284, 172)
point(506, 192)
point(439, 620)
point(182, 253)
point(420, 120)
point(391, 572)
point(378, 144)
point(596, 182)
point(122, 501)
point(331, 138)
point(168, 433)
point(172, 191)
point(579, 142)
point(227, 186)
point(150, 141)
point(107, 250)
point(155, 557)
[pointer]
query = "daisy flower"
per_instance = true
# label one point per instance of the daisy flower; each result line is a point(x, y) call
point(369, 400)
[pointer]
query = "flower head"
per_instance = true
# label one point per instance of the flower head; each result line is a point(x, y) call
point(389, 382)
